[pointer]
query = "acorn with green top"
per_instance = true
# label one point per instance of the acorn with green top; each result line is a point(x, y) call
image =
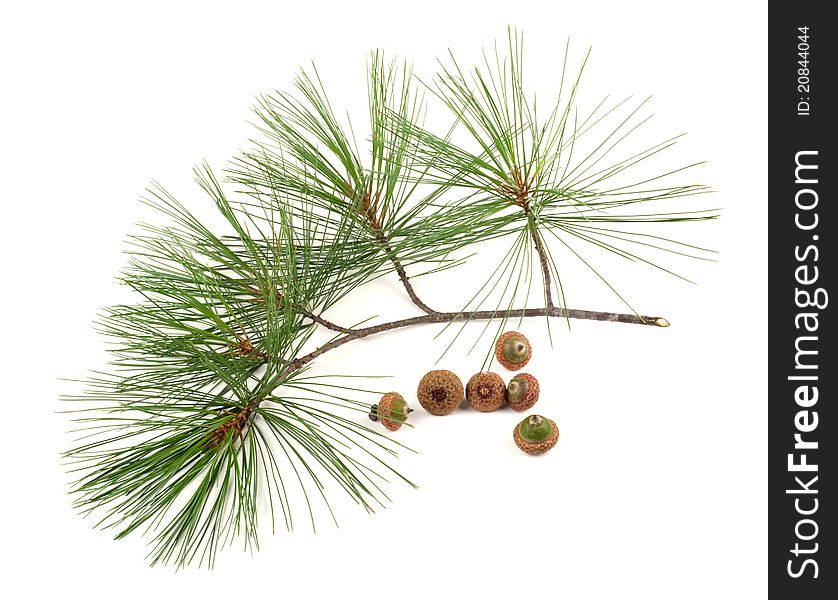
point(392, 410)
point(536, 434)
point(522, 392)
point(513, 350)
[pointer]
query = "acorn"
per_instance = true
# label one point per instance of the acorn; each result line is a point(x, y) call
point(486, 392)
point(440, 392)
point(513, 350)
point(536, 434)
point(522, 392)
point(391, 410)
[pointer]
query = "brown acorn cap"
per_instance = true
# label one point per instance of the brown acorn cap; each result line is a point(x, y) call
point(522, 392)
point(545, 437)
point(392, 410)
point(513, 350)
point(486, 392)
point(440, 392)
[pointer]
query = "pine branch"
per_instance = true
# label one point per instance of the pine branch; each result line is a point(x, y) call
point(478, 315)
point(403, 275)
point(327, 324)
point(545, 270)
point(208, 413)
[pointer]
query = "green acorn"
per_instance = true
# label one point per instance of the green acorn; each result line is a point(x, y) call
point(522, 392)
point(392, 410)
point(440, 392)
point(536, 434)
point(513, 350)
point(485, 392)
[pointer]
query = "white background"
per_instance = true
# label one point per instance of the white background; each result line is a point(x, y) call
point(657, 486)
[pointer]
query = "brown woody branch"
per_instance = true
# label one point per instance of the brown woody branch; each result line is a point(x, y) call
point(519, 194)
point(385, 244)
point(327, 324)
point(545, 268)
point(374, 215)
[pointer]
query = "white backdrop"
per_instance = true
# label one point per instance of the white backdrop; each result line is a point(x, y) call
point(657, 486)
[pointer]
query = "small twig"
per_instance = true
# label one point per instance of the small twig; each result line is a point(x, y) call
point(259, 299)
point(327, 324)
point(369, 209)
point(385, 244)
point(520, 194)
point(545, 268)
point(477, 315)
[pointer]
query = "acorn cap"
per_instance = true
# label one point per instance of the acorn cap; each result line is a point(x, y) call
point(536, 434)
point(440, 392)
point(486, 392)
point(522, 392)
point(392, 410)
point(513, 350)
